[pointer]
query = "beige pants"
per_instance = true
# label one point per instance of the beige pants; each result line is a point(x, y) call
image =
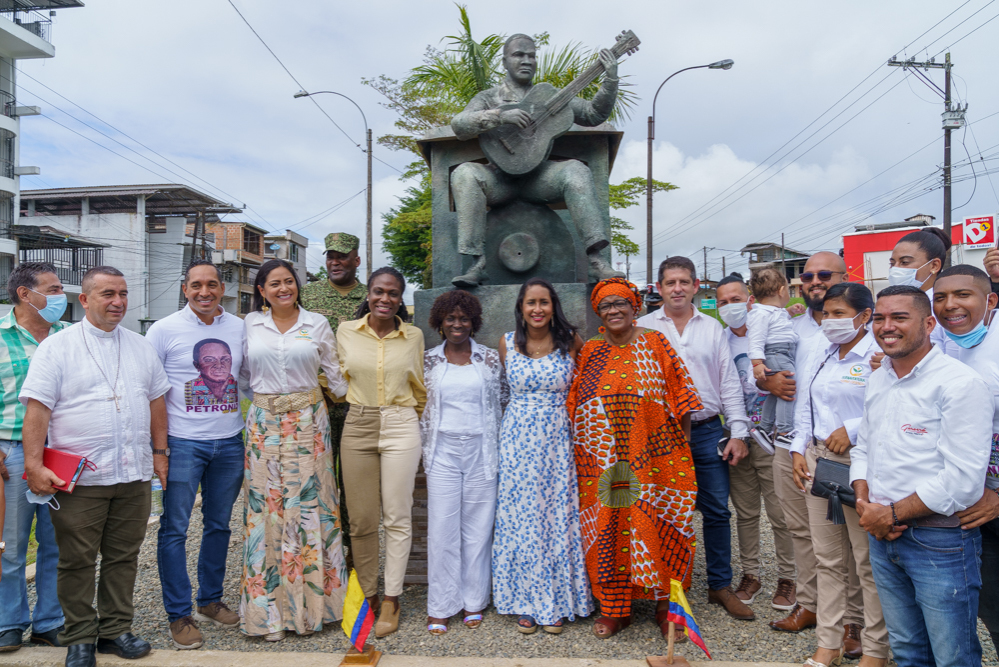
point(380, 452)
point(839, 552)
point(752, 479)
point(796, 517)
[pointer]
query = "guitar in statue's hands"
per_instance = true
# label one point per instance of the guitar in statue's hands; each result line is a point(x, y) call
point(518, 147)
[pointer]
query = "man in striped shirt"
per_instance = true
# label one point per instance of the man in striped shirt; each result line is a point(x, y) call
point(39, 302)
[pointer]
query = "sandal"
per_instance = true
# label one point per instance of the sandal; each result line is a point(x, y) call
point(555, 628)
point(605, 627)
point(527, 625)
point(662, 620)
point(472, 621)
point(437, 626)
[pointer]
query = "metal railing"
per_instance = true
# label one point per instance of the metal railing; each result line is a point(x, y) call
point(36, 23)
point(7, 104)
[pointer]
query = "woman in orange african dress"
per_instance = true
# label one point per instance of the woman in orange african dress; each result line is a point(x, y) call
point(630, 406)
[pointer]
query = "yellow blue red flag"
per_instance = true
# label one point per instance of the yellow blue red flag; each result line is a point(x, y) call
point(358, 617)
point(679, 613)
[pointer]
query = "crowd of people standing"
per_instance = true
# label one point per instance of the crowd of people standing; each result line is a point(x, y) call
point(562, 474)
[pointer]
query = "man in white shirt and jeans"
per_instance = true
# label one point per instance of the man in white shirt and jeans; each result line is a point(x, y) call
point(700, 342)
point(921, 458)
point(97, 390)
point(201, 347)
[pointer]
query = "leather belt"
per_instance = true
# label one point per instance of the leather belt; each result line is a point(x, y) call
point(279, 404)
point(936, 521)
point(701, 422)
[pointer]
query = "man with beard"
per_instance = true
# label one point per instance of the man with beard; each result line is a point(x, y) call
point(337, 299)
point(921, 458)
point(822, 271)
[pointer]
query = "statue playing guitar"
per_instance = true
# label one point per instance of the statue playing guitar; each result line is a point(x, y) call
point(516, 123)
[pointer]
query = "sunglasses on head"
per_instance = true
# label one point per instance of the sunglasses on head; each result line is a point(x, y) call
point(823, 276)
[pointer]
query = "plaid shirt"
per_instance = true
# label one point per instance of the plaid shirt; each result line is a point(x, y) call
point(16, 348)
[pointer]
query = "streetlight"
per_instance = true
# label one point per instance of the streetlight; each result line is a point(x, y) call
point(721, 64)
point(367, 133)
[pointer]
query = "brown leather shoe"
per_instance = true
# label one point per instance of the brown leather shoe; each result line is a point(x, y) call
point(852, 648)
point(748, 588)
point(735, 607)
point(799, 619)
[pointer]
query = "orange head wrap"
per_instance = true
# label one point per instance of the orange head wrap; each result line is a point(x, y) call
point(615, 287)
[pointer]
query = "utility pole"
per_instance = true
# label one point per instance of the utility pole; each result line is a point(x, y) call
point(953, 119)
point(724, 273)
point(648, 203)
point(368, 252)
point(783, 263)
point(705, 262)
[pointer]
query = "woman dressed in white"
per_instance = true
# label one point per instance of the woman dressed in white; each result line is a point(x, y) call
point(460, 437)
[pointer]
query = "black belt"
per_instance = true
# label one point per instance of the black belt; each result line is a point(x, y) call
point(935, 521)
point(702, 422)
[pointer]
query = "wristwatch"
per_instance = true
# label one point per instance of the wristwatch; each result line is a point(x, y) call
point(3, 547)
point(164, 452)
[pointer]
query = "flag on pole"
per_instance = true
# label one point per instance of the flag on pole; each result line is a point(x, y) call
point(358, 618)
point(679, 613)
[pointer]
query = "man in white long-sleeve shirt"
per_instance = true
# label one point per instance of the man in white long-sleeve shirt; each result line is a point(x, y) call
point(921, 457)
point(701, 343)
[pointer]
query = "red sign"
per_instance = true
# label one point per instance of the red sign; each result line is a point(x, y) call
point(980, 232)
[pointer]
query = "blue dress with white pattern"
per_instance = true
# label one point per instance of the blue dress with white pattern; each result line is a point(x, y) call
point(538, 565)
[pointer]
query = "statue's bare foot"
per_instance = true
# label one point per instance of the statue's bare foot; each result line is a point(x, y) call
point(475, 276)
point(601, 270)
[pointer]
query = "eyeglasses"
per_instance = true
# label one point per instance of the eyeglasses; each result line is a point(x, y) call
point(821, 275)
point(620, 305)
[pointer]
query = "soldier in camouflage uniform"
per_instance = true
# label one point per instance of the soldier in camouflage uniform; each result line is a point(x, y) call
point(337, 298)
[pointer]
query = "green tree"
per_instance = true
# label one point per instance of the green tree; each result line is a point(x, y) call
point(626, 195)
point(432, 94)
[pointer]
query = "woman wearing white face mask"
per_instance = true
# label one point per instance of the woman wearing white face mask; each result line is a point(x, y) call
point(827, 417)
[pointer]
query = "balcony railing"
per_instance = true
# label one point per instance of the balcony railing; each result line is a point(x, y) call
point(7, 104)
point(36, 23)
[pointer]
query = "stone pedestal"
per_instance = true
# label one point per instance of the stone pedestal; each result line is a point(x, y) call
point(498, 303)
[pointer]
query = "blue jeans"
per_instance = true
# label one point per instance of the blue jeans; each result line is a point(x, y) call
point(217, 466)
point(712, 501)
point(928, 581)
point(14, 612)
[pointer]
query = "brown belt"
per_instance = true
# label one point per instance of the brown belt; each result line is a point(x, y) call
point(279, 404)
point(936, 521)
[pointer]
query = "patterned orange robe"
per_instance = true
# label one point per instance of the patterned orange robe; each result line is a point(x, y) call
point(636, 475)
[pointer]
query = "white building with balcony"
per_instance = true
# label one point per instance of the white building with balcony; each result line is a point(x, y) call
point(291, 247)
point(25, 33)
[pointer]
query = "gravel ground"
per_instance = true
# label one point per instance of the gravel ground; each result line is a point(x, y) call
point(727, 639)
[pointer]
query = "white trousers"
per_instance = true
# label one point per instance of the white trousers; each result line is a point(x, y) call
point(461, 508)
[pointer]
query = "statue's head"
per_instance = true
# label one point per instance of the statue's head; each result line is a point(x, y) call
point(520, 58)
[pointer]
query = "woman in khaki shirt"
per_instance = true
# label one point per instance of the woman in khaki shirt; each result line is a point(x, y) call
point(381, 357)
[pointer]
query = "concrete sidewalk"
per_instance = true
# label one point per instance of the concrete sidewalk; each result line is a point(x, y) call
point(55, 657)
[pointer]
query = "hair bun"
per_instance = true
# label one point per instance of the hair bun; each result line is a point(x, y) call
point(940, 234)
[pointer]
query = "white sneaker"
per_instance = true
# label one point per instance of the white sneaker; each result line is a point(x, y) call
point(763, 440)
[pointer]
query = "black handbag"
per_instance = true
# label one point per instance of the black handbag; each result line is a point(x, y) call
point(832, 478)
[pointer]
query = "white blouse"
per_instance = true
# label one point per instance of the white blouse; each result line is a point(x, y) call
point(460, 400)
point(289, 362)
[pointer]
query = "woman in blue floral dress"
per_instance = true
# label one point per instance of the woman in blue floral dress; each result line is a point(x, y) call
point(539, 571)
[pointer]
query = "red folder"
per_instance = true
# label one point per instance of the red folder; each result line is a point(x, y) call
point(67, 467)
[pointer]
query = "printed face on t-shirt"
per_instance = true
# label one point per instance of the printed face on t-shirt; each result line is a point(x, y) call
point(214, 362)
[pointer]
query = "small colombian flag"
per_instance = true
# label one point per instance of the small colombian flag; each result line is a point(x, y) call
point(358, 618)
point(679, 613)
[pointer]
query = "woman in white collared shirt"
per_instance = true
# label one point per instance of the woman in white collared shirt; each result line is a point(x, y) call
point(827, 417)
point(460, 439)
point(294, 575)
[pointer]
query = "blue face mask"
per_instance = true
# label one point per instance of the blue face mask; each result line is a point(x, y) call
point(55, 306)
point(970, 339)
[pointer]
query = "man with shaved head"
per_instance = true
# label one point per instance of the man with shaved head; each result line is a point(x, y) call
point(822, 271)
point(477, 186)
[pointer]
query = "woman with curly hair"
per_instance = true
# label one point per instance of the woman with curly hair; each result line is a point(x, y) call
point(630, 406)
point(460, 434)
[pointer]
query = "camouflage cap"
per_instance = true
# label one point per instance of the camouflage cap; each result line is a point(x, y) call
point(342, 242)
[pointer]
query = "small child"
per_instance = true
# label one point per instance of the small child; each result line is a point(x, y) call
point(772, 343)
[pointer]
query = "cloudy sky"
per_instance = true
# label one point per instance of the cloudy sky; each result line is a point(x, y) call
point(809, 134)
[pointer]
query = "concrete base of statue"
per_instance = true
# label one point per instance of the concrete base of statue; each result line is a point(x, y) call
point(498, 304)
